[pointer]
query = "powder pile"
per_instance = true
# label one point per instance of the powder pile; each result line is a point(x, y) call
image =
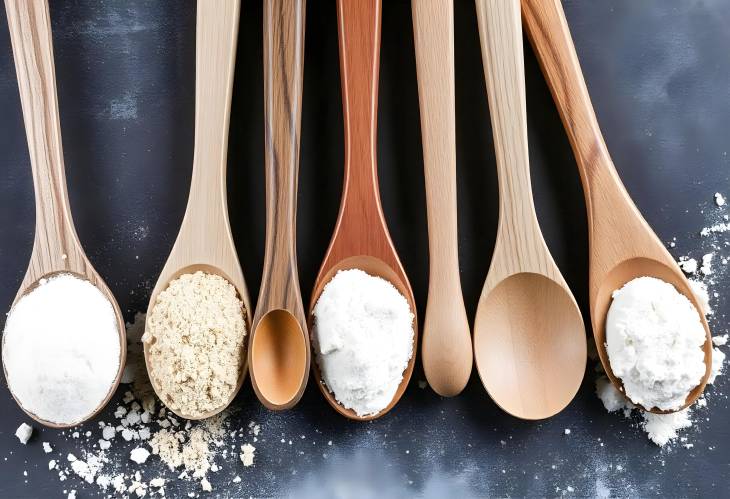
point(363, 336)
point(61, 349)
point(195, 334)
point(654, 340)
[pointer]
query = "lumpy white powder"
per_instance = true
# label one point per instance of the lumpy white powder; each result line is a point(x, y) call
point(654, 339)
point(61, 349)
point(363, 336)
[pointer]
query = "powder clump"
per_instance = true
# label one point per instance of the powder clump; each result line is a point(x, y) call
point(61, 349)
point(363, 337)
point(654, 339)
point(195, 334)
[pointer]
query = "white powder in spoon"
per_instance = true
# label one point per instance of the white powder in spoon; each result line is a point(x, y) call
point(654, 340)
point(363, 336)
point(61, 349)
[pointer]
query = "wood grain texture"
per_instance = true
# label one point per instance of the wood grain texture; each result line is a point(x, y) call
point(205, 241)
point(361, 239)
point(529, 338)
point(622, 245)
point(279, 359)
point(56, 246)
point(446, 349)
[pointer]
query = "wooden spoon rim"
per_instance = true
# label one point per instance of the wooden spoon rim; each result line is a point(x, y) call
point(389, 274)
point(673, 276)
point(121, 329)
point(161, 286)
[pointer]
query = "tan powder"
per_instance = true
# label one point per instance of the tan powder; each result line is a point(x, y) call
point(196, 336)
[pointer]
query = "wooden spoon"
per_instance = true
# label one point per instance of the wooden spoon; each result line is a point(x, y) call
point(361, 239)
point(446, 346)
point(529, 338)
point(622, 245)
point(56, 246)
point(279, 349)
point(205, 241)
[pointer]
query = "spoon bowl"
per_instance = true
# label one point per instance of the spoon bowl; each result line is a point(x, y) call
point(616, 278)
point(377, 268)
point(56, 246)
point(530, 346)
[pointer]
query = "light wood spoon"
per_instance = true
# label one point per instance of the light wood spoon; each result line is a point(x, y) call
point(622, 245)
point(361, 239)
point(205, 241)
point(446, 347)
point(529, 337)
point(56, 246)
point(279, 350)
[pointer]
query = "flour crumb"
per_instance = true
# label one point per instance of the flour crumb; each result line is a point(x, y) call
point(688, 265)
point(47, 448)
point(706, 268)
point(23, 433)
point(663, 428)
point(719, 199)
point(567, 431)
point(139, 455)
point(247, 454)
point(720, 340)
point(205, 484)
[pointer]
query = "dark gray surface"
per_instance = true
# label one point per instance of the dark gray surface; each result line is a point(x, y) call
point(659, 75)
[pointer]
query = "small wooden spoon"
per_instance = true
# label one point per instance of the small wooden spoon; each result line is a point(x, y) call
point(205, 241)
point(529, 337)
point(361, 239)
point(56, 246)
point(279, 350)
point(446, 346)
point(622, 245)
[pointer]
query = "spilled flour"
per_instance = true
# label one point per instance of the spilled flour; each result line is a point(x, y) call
point(148, 432)
point(703, 272)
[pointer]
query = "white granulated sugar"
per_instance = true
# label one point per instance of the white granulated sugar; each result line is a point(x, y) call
point(23, 433)
point(363, 337)
point(247, 454)
point(719, 199)
point(195, 334)
point(688, 265)
point(654, 340)
point(720, 340)
point(61, 349)
point(662, 428)
point(139, 455)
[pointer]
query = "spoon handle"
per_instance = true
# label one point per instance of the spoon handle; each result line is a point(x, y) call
point(446, 347)
point(215, 52)
point(56, 244)
point(520, 246)
point(283, 68)
point(548, 31)
point(359, 37)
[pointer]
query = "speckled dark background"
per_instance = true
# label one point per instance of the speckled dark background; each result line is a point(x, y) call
point(659, 75)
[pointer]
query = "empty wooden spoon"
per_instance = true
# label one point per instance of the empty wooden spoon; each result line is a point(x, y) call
point(56, 247)
point(205, 241)
point(279, 349)
point(446, 349)
point(529, 337)
point(622, 245)
point(361, 239)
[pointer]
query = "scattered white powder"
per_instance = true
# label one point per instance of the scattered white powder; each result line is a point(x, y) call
point(247, 454)
point(720, 340)
point(718, 358)
point(196, 335)
point(706, 268)
point(61, 349)
point(47, 448)
point(663, 428)
point(613, 400)
point(719, 199)
point(688, 265)
point(699, 288)
point(363, 337)
point(654, 339)
point(23, 433)
point(139, 455)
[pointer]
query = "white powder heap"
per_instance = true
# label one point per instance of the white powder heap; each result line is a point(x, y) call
point(363, 336)
point(61, 349)
point(196, 336)
point(654, 340)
